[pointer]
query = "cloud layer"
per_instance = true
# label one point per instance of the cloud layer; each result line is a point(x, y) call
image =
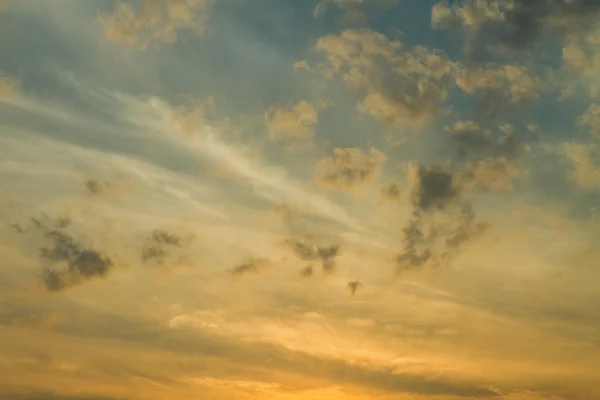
point(333, 199)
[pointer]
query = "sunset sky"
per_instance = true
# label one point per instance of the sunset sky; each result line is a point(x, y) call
point(299, 199)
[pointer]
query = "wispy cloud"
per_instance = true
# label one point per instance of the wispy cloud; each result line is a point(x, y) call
point(205, 199)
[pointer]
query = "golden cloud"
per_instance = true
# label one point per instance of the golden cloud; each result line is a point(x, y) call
point(296, 122)
point(349, 168)
point(8, 85)
point(585, 169)
point(156, 21)
point(590, 119)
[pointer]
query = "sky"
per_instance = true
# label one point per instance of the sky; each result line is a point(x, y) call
point(299, 199)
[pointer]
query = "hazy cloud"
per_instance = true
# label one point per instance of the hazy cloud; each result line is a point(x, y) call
point(498, 87)
point(397, 86)
point(391, 190)
point(516, 24)
point(472, 141)
point(590, 119)
point(349, 168)
point(353, 287)
point(38, 395)
point(252, 267)
point(585, 164)
point(443, 219)
point(156, 21)
point(298, 122)
point(307, 251)
point(8, 85)
point(476, 186)
point(307, 271)
point(526, 19)
point(352, 9)
point(159, 246)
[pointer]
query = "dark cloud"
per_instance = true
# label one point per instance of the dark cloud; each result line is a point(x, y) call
point(412, 255)
point(309, 252)
point(307, 271)
point(354, 286)
point(113, 183)
point(442, 221)
point(472, 141)
point(62, 250)
point(17, 227)
point(37, 223)
point(303, 251)
point(163, 237)
point(41, 223)
point(63, 222)
point(159, 245)
point(466, 228)
point(54, 279)
point(434, 188)
point(94, 186)
point(390, 191)
point(62, 247)
point(328, 253)
point(528, 18)
point(90, 263)
point(329, 267)
point(251, 267)
point(517, 24)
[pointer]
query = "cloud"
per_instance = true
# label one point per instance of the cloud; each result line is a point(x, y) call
point(468, 16)
point(298, 122)
point(353, 287)
point(497, 87)
point(443, 219)
point(94, 186)
point(391, 190)
point(307, 271)
point(515, 24)
point(81, 264)
point(281, 331)
point(251, 267)
point(494, 175)
point(585, 169)
point(38, 395)
point(492, 158)
point(307, 251)
point(526, 19)
point(8, 85)
point(432, 240)
point(581, 55)
point(303, 251)
point(472, 141)
point(159, 245)
point(433, 187)
point(328, 253)
point(65, 260)
point(349, 168)
point(396, 86)
point(590, 119)
point(352, 9)
point(156, 21)
point(411, 86)
point(270, 182)
point(114, 185)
